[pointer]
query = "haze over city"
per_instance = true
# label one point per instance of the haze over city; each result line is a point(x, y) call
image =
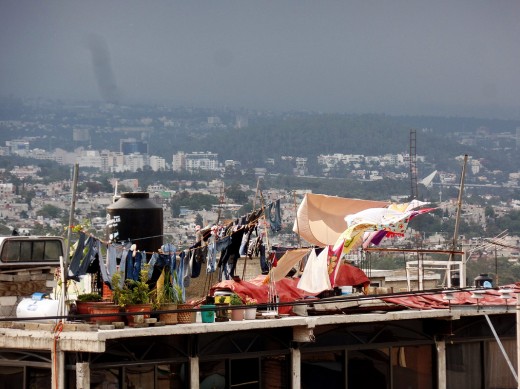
point(401, 57)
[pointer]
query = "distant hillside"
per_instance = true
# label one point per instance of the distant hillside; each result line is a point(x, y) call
point(312, 135)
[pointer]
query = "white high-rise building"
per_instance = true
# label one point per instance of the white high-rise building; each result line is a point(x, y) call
point(179, 161)
point(157, 163)
point(201, 161)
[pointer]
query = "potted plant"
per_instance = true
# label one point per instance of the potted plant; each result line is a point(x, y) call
point(168, 296)
point(93, 304)
point(86, 300)
point(208, 310)
point(250, 310)
point(83, 301)
point(237, 314)
point(222, 309)
point(134, 296)
point(188, 316)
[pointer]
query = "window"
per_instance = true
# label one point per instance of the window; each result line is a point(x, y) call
point(31, 250)
point(412, 367)
point(463, 365)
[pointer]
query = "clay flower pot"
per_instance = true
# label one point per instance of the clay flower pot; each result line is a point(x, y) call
point(103, 310)
point(237, 314)
point(135, 319)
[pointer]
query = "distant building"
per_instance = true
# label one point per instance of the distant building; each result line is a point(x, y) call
point(23, 172)
point(134, 162)
point(201, 161)
point(18, 146)
point(6, 190)
point(179, 161)
point(157, 163)
point(90, 158)
point(132, 146)
point(214, 121)
point(241, 121)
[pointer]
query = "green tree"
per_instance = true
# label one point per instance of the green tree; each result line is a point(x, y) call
point(50, 211)
point(236, 194)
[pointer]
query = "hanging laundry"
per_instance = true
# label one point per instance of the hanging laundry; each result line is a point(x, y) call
point(134, 260)
point(230, 254)
point(212, 255)
point(89, 256)
point(102, 264)
point(78, 255)
point(274, 215)
point(315, 278)
point(185, 275)
point(111, 260)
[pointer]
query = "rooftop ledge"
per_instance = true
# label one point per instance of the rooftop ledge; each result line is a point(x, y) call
point(89, 338)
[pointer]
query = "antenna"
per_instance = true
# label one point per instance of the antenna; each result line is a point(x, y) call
point(116, 196)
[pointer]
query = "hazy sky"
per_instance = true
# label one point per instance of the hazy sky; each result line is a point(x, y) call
point(456, 57)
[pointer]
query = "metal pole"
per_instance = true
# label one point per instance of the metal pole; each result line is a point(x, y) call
point(502, 348)
point(71, 213)
point(64, 262)
point(457, 219)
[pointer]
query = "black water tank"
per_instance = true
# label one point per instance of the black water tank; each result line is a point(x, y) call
point(138, 219)
point(483, 281)
point(455, 279)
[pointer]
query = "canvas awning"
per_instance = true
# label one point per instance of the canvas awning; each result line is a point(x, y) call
point(320, 219)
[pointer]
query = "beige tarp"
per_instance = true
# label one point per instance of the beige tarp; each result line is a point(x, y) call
point(320, 218)
point(286, 263)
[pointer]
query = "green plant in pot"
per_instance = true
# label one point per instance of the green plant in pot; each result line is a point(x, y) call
point(222, 312)
point(86, 301)
point(89, 297)
point(236, 313)
point(134, 296)
point(168, 296)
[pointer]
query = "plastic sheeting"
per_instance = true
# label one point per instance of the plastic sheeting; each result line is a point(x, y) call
point(427, 300)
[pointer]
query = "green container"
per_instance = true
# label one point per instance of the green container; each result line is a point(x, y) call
point(208, 313)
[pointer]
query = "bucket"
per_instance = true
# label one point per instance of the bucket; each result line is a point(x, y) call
point(208, 313)
point(346, 290)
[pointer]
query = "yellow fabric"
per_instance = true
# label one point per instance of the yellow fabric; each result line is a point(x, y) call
point(160, 283)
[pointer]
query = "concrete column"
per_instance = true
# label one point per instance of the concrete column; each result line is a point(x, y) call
point(83, 375)
point(441, 364)
point(194, 373)
point(296, 363)
point(58, 369)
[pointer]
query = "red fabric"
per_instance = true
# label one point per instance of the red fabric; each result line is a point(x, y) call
point(349, 275)
point(286, 289)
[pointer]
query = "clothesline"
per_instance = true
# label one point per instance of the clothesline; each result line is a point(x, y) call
point(121, 245)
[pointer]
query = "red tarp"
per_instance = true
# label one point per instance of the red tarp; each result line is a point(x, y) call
point(286, 288)
point(437, 300)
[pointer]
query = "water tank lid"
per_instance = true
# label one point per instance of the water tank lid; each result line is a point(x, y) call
point(135, 195)
point(38, 296)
